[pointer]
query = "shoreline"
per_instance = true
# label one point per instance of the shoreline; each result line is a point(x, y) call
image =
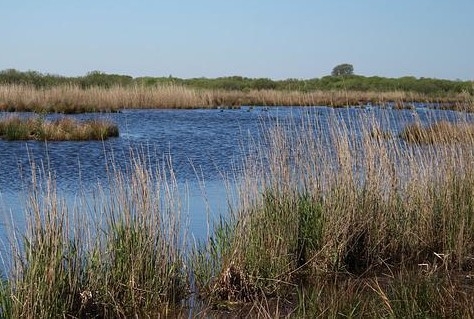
point(72, 99)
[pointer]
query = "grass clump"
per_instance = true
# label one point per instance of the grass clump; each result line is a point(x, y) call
point(125, 261)
point(46, 266)
point(64, 129)
point(137, 266)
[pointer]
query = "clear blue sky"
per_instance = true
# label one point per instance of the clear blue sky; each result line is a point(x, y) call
point(260, 38)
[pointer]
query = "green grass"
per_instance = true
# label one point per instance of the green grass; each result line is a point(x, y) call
point(404, 294)
point(127, 261)
point(137, 266)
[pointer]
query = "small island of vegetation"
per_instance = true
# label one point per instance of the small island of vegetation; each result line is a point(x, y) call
point(64, 129)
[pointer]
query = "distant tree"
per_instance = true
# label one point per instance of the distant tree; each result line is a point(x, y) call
point(98, 78)
point(343, 69)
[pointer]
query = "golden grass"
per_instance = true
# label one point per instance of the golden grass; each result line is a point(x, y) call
point(64, 129)
point(73, 99)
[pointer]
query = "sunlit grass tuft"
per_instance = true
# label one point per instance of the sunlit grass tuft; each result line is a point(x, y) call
point(137, 265)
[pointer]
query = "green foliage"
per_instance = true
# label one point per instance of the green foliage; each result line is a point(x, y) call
point(310, 231)
point(128, 263)
point(261, 253)
point(349, 81)
point(100, 79)
point(343, 70)
point(14, 129)
point(36, 79)
point(336, 208)
point(134, 273)
point(406, 294)
point(47, 265)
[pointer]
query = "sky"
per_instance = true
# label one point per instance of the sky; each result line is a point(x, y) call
point(274, 39)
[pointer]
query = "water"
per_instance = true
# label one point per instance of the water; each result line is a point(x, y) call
point(204, 145)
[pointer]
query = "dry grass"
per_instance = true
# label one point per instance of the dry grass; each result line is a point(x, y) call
point(73, 99)
point(65, 129)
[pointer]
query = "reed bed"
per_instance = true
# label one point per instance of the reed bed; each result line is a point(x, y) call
point(124, 261)
point(74, 99)
point(366, 225)
point(64, 129)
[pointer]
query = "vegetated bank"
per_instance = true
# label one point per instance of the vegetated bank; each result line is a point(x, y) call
point(97, 91)
point(335, 223)
point(332, 220)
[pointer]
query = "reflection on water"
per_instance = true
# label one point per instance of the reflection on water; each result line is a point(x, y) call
point(203, 144)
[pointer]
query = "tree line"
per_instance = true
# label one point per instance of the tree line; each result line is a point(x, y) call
point(335, 81)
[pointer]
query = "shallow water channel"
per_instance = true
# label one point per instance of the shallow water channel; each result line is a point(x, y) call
point(204, 146)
